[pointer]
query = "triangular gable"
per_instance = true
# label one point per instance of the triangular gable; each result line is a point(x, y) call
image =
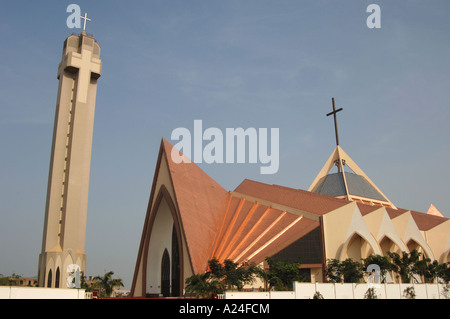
point(380, 225)
point(358, 226)
point(198, 202)
point(434, 211)
point(201, 202)
point(438, 238)
point(161, 184)
point(340, 158)
point(408, 230)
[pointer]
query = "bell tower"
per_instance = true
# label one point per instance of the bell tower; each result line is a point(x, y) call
point(63, 242)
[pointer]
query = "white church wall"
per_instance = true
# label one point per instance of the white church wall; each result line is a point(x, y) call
point(393, 291)
point(326, 290)
point(421, 291)
point(345, 291)
point(40, 293)
point(306, 291)
point(246, 295)
point(432, 291)
point(162, 229)
point(282, 295)
point(359, 290)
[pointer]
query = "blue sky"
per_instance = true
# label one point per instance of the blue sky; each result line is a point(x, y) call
point(230, 63)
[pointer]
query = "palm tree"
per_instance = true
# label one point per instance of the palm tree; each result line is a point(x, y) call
point(106, 283)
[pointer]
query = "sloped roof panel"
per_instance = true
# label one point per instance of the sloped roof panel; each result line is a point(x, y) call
point(310, 202)
point(333, 185)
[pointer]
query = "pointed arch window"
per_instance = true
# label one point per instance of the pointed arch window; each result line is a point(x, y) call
point(57, 277)
point(175, 263)
point(49, 279)
point(165, 274)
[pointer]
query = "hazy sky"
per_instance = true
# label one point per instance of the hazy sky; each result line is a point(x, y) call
point(229, 63)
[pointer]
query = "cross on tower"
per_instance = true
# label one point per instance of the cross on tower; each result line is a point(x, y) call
point(86, 65)
point(85, 19)
point(335, 120)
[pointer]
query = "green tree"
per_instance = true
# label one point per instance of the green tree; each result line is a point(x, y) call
point(443, 272)
point(232, 275)
point(427, 269)
point(433, 271)
point(382, 261)
point(220, 277)
point(352, 271)
point(203, 285)
point(344, 271)
point(281, 274)
point(106, 284)
point(4, 280)
point(333, 271)
point(405, 264)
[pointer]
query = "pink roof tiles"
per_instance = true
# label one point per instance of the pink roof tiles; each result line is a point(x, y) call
point(296, 198)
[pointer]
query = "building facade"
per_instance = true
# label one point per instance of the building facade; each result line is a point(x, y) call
point(191, 219)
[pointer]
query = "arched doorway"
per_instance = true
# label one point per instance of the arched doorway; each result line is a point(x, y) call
point(387, 245)
point(49, 279)
point(356, 248)
point(175, 264)
point(165, 274)
point(413, 245)
point(57, 277)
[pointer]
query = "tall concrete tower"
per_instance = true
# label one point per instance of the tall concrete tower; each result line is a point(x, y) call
point(63, 243)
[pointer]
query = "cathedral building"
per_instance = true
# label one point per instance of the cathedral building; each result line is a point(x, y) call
point(191, 219)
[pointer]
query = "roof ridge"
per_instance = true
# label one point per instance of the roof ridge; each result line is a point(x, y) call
point(299, 190)
point(295, 198)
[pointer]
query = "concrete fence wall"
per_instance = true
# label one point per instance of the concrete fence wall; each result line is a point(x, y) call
point(40, 293)
point(345, 291)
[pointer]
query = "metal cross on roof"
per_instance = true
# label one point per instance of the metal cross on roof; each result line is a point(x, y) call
point(335, 120)
point(85, 19)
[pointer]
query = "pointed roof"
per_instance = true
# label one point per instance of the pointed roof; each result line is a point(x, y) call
point(434, 211)
point(200, 201)
point(229, 225)
point(351, 186)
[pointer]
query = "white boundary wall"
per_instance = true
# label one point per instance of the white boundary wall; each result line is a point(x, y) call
point(12, 292)
point(344, 291)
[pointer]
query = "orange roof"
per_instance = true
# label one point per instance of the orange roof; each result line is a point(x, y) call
point(314, 203)
point(252, 231)
point(426, 221)
point(200, 201)
point(423, 221)
point(217, 224)
point(367, 209)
